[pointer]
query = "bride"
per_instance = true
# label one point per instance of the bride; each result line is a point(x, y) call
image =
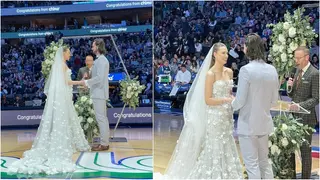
point(206, 148)
point(59, 134)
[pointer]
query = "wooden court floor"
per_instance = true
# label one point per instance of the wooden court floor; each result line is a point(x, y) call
point(120, 161)
point(167, 129)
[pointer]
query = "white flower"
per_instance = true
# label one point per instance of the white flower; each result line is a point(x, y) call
point(90, 101)
point(282, 38)
point(80, 118)
point(281, 48)
point(293, 141)
point(90, 120)
point(270, 161)
point(284, 142)
point(76, 106)
point(275, 48)
point(83, 99)
point(80, 110)
point(136, 94)
point(304, 43)
point(292, 32)
point(269, 143)
point(271, 134)
point(86, 126)
point(274, 149)
point(290, 63)
point(283, 57)
point(286, 25)
point(129, 95)
point(284, 127)
point(95, 130)
point(55, 48)
point(293, 46)
point(129, 88)
point(51, 55)
point(92, 111)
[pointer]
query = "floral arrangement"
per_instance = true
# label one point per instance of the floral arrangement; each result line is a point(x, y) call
point(288, 134)
point(49, 54)
point(287, 36)
point(130, 90)
point(84, 107)
point(287, 137)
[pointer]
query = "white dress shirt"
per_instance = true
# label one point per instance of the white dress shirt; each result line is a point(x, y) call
point(305, 68)
point(184, 77)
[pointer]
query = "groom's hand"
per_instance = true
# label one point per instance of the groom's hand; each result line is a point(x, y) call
point(82, 83)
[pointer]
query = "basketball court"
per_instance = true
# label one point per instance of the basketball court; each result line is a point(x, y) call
point(167, 128)
point(124, 160)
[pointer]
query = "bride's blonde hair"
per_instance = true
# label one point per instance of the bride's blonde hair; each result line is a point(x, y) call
point(216, 47)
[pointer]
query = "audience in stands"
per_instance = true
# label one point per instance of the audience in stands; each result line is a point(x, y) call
point(185, 31)
point(21, 78)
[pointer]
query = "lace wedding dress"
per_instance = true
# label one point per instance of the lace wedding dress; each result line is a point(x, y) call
point(59, 134)
point(219, 156)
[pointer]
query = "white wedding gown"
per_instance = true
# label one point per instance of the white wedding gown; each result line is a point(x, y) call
point(58, 137)
point(218, 157)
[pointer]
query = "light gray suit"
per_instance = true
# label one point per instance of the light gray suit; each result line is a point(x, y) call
point(257, 92)
point(99, 93)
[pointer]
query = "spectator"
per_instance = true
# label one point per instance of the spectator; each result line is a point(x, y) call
point(165, 69)
point(183, 77)
point(315, 61)
point(18, 102)
point(235, 70)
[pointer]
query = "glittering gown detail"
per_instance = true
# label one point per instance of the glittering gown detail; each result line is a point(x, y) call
point(59, 135)
point(219, 156)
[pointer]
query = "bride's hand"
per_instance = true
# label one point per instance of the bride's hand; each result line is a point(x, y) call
point(228, 100)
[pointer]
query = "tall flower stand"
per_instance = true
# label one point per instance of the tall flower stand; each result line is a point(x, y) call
point(118, 139)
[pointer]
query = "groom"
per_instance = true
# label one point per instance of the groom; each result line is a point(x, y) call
point(99, 91)
point(257, 92)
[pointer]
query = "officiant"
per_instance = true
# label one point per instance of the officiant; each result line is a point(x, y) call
point(85, 73)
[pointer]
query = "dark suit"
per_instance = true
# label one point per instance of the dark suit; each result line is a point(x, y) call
point(307, 96)
point(82, 71)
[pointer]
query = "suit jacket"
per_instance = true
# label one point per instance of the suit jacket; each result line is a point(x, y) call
point(257, 92)
point(307, 94)
point(82, 71)
point(99, 82)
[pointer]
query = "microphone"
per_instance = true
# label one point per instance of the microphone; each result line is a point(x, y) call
point(291, 78)
point(293, 72)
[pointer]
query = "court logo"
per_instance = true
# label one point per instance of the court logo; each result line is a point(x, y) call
point(98, 164)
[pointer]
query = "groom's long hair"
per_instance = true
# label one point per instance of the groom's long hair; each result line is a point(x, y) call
point(255, 47)
point(100, 45)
